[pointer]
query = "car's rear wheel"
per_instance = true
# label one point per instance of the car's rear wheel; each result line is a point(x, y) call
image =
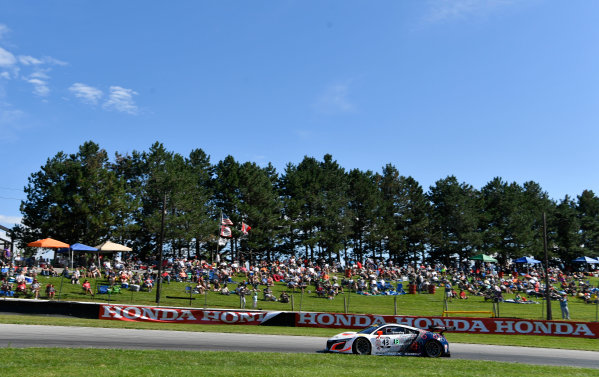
point(362, 346)
point(433, 348)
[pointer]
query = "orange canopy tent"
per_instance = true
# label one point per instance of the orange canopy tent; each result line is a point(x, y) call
point(48, 243)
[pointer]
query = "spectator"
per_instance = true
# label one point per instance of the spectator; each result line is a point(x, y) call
point(35, 289)
point(148, 284)
point(50, 291)
point(75, 276)
point(225, 291)
point(448, 291)
point(563, 304)
point(87, 288)
point(22, 287)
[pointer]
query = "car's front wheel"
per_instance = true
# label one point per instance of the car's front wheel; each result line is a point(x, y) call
point(433, 348)
point(362, 346)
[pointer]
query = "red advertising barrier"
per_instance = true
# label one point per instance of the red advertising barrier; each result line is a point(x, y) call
point(172, 315)
point(505, 326)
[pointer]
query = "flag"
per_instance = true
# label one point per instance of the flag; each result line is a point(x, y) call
point(225, 231)
point(245, 228)
point(222, 241)
point(225, 220)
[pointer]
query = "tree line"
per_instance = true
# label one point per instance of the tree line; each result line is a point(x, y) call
point(313, 209)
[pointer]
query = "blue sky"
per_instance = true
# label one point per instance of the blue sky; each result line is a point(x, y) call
point(471, 88)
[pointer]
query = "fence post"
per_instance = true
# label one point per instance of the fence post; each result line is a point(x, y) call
point(205, 299)
point(292, 303)
point(394, 305)
point(543, 311)
point(301, 300)
point(60, 290)
point(95, 289)
point(348, 299)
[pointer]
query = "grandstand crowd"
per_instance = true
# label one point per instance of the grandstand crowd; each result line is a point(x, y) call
point(319, 277)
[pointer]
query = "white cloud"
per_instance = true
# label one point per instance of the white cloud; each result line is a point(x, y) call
point(7, 59)
point(86, 93)
point(52, 61)
point(5, 75)
point(445, 10)
point(121, 99)
point(29, 60)
point(40, 87)
point(10, 219)
point(39, 75)
point(335, 99)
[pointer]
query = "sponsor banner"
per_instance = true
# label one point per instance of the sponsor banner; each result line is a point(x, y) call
point(505, 326)
point(172, 315)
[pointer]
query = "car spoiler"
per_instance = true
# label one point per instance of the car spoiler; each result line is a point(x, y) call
point(441, 329)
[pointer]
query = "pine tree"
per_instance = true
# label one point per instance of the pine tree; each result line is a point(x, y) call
point(454, 220)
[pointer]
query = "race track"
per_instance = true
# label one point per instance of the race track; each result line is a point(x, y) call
point(88, 337)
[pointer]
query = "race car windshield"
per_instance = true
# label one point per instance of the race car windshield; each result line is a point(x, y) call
point(368, 330)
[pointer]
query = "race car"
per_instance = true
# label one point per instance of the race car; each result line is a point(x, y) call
point(392, 339)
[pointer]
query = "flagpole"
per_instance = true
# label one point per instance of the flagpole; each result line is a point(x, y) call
point(218, 235)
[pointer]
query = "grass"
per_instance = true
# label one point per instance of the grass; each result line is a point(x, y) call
point(108, 363)
point(420, 304)
point(506, 340)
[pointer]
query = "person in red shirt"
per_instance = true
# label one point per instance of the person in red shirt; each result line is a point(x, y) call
point(87, 287)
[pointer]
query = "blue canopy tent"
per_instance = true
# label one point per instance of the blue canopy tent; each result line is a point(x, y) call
point(528, 260)
point(586, 260)
point(79, 247)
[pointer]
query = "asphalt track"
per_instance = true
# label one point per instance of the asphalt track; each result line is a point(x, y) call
point(21, 336)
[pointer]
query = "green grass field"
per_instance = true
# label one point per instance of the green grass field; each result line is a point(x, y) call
point(419, 304)
point(107, 363)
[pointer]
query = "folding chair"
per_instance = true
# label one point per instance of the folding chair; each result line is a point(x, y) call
point(103, 289)
point(400, 290)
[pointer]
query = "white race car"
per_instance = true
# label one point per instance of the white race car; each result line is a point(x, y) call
point(391, 339)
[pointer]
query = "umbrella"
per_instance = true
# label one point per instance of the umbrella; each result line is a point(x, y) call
point(528, 260)
point(111, 247)
point(483, 258)
point(80, 247)
point(586, 260)
point(48, 243)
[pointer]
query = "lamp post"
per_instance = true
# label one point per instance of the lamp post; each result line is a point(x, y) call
point(159, 279)
point(547, 290)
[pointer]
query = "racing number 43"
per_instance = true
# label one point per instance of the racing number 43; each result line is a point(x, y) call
point(387, 342)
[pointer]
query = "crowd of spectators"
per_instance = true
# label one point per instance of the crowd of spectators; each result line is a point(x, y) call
point(319, 277)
